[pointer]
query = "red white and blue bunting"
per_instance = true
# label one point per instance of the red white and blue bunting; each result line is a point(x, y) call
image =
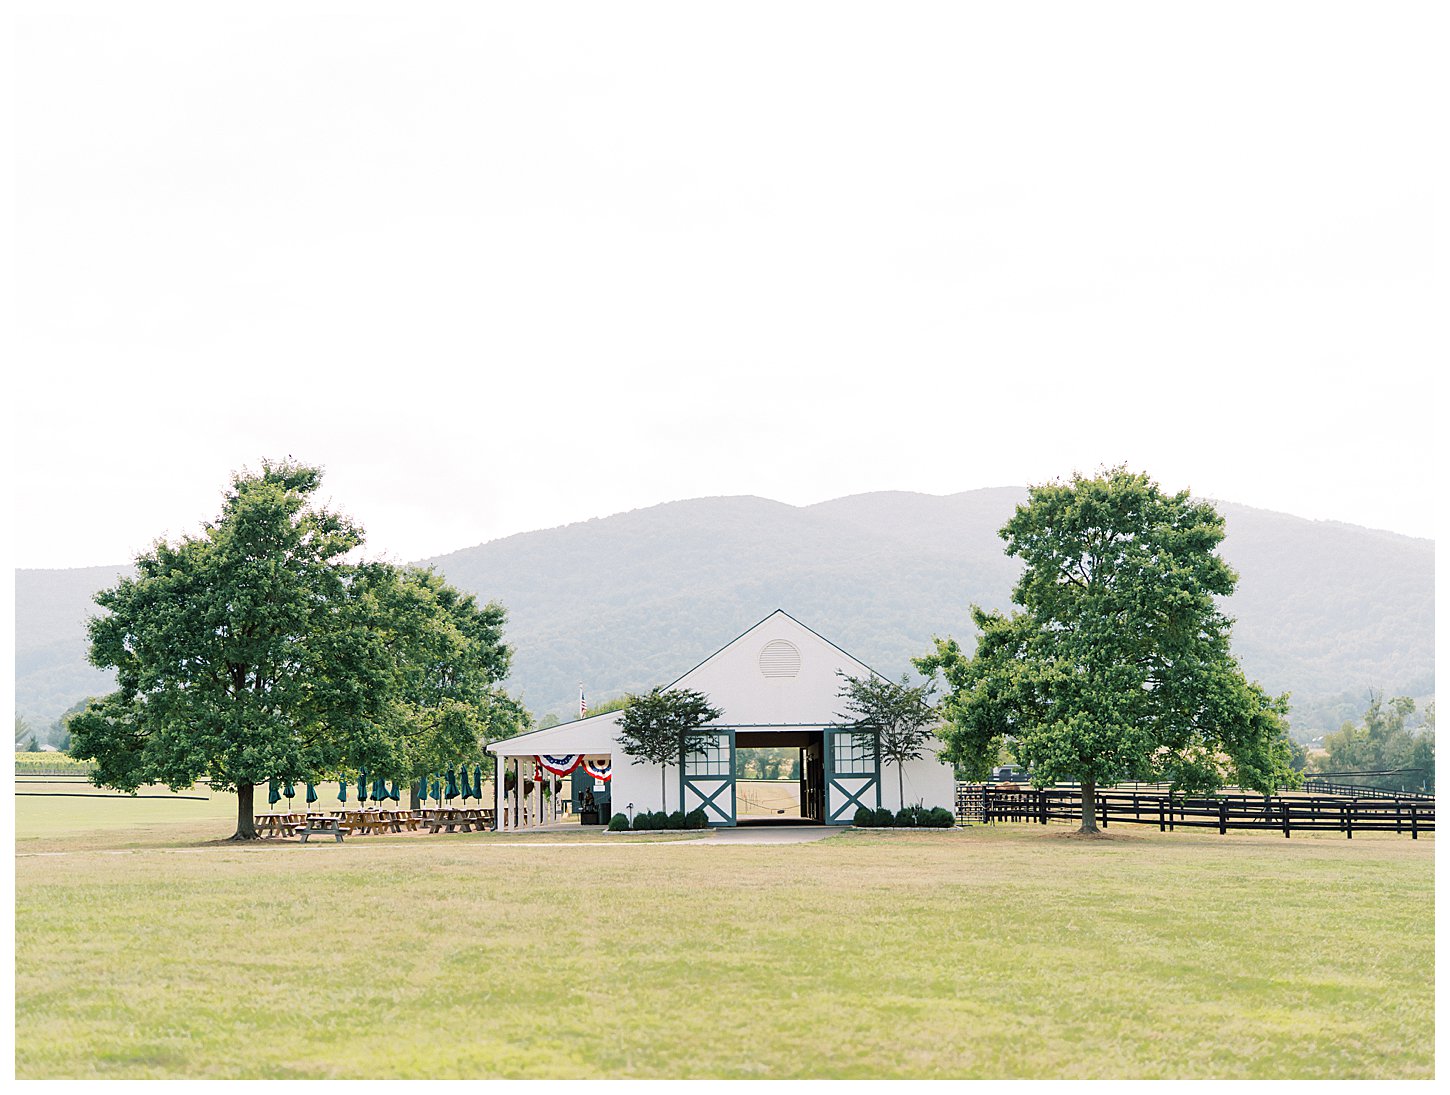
point(599, 768)
point(561, 766)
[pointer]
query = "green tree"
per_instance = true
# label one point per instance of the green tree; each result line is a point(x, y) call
point(22, 732)
point(660, 726)
point(895, 715)
point(1118, 665)
point(259, 650)
point(1383, 746)
point(449, 658)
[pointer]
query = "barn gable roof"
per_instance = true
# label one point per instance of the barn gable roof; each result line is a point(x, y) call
point(778, 672)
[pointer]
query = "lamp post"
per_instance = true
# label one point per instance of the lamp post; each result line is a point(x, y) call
point(630, 808)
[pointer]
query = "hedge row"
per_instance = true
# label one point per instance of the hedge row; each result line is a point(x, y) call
point(908, 817)
point(647, 821)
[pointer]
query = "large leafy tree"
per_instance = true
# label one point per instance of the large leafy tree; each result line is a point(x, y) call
point(1118, 665)
point(450, 657)
point(263, 649)
point(897, 715)
point(657, 727)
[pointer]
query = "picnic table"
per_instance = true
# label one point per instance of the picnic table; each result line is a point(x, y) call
point(323, 823)
point(279, 824)
point(458, 818)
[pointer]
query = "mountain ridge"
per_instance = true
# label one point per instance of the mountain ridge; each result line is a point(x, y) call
point(1325, 609)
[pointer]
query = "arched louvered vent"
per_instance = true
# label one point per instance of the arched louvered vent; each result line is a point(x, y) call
point(779, 658)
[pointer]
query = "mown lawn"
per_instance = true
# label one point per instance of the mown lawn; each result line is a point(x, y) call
point(1008, 952)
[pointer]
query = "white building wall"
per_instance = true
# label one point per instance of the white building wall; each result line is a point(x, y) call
point(744, 682)
point(927, 781)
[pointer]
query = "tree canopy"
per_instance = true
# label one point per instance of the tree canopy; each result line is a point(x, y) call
point(658, 726)
point(897, 715)
point(1118, 665)
point(262, 649)
point(1382, 749)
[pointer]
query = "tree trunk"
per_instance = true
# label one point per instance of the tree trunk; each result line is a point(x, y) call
point(664, 806)
point(1089, 807)
point(246, 824)
point(900, 787)
point(414, 803)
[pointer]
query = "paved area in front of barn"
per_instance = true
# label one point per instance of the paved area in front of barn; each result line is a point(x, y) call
point(768, 834)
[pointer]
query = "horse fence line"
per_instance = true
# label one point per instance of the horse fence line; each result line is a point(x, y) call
point(1412, 815)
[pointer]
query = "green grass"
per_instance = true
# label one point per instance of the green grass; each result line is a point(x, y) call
point(1014, 951)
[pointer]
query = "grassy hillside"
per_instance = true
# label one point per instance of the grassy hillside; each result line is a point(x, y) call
point(1326, 610)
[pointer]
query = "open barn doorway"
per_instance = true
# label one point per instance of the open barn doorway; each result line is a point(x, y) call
point(779, 777)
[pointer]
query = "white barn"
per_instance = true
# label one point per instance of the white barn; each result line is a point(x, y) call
point(776, 685)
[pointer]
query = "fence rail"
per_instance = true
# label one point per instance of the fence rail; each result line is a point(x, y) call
point(1308, 813)
point(1355, 790)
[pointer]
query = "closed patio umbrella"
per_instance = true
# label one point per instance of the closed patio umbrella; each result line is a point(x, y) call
point(380, 790)
point(311, 794)
point(362, 786)
point(451, 791)
point(393, 792)
point(342, 790)
point(273, 795)
point(478, 783)
point(288, 793)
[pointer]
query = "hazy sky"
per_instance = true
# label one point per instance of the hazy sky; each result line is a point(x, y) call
point(504, 266)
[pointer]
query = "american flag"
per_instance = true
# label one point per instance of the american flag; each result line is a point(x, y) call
point(582, 709)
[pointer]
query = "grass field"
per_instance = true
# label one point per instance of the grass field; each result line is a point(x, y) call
point(144, 948)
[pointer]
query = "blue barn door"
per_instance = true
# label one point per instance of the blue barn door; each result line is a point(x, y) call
point(707, 776)
point(853, 775)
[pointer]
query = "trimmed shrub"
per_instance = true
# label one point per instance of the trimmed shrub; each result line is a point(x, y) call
point(909, 817)
point(618, 824)
point(641, 821)
point(696, 819)
point(865, 818)
point(676, 820)
point(940, 817)
point(659, 820)
point(885, 819)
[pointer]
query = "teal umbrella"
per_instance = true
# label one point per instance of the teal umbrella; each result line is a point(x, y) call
point(311, 794)
point(467, 787)
point(273, 795)
point(451, 791)
point(289, 794)
point(478, 783)
point(423, 789)
point(437, 795)
point(362, 786)
point(380, 790)
point(342, 790)
point(393, 793)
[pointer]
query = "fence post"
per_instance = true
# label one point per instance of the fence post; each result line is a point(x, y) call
point(1162, 826)
point(1222, 817)
point(1414, 824)
point(1284, 806)
point(1347, 810)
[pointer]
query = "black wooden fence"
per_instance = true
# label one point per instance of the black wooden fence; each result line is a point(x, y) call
point(1286, 814)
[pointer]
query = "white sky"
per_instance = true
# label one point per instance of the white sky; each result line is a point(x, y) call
point(503, 266)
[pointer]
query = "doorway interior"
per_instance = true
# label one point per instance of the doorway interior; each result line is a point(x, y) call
point(780, 777)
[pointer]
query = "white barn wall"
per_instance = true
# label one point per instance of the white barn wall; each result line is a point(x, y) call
point(749, 698)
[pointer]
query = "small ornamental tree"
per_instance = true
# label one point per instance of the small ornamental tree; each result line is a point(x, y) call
point(1118, 665)
point(656, 728)
point(897, 714)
